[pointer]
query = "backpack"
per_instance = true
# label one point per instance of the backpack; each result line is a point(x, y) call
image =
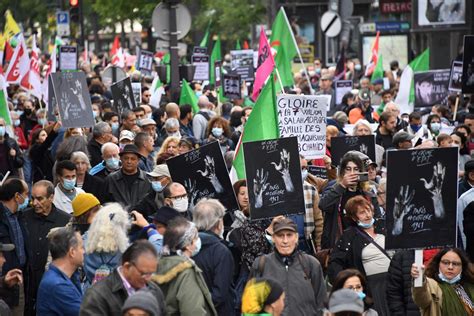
point(205, 114)
point(103, 271)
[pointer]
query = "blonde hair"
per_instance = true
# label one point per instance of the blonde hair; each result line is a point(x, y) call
point(108, 231)
point(164, 147)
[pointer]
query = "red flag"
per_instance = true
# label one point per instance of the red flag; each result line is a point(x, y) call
point(19, 63)
point(246, 45)
point(266, 64)
point(115, 46)
point(32, 79)
point(375, 56)
point(8, 52)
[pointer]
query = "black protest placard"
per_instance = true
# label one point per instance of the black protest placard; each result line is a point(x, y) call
point(137, 92)
point(145, 62)
point(421, 198)
point(73, 99)
point(242, 63)
point(468, 65)
point(317, 171)
point(202, 67)
point(341, 145)
point(431, 87)
point(67, 58)
point(455, 79)
point(274, 181)
point(231, 85)
point(52, 104)
point(122, 93)
point(204, 174)
point(342, 87)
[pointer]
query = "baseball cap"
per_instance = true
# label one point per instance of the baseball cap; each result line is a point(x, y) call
point(126, 134)
point(6, 247)
point(147, 121)
point(160, 171)
point(284, 224)
point(82, 203)
point(130, 149)
point(377, 81)
point(345, 300)
point(400, 137)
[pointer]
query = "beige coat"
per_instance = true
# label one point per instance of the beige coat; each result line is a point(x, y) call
point(428, 297)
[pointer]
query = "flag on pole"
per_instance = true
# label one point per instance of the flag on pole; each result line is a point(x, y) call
point(157, 91)
point(246, 45)
point(215, 56)
point(166, 60)
point(115, 46)
point(32, 79)
point(378, 71)
point(262, 124)
point(340, 73)
point(11, 27)
point(205, 39)
point(237, 45)
point(19, 63)
point(187, 96)
point(51, 69)
point(374, 58)
point(265, 66)
point(406, 91)
point(4, 111)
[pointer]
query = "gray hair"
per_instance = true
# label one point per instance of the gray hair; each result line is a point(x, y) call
point(207, 213)
point(100, 129)
point(109, 144)
point(171, 122)
point(79, 155)
point(179, 234)
point(203, 102)
point(61, 239)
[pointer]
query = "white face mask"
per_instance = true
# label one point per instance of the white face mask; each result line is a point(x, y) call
point(181, 205)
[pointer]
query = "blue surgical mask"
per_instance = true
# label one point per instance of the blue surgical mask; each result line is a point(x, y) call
point(217, 131)
point(42, 121)
point(23, 205)
point(435, 127)
point(318, 70)
point(157, 187)
point(198, 247)
point(69, 184)
point(16, 123)
point(2, 131)
point(361, 295)
point(415, 127)
point(95, 114)
point(198, 93)
point(20, 113)
point(269, 239)
point(304, 174)
point(115, 126)
point(112, 163)
point(357, 67)
point(366, 225)
point(456, 279)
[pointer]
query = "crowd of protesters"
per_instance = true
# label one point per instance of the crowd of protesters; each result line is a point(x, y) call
point(91, 222)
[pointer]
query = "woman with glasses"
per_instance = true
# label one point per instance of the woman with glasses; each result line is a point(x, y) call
point(448, 285)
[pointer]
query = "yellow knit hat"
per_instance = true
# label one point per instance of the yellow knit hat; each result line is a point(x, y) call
point(82, 203)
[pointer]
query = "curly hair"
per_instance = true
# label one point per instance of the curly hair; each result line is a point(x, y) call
point(467, 273)
point(164, 146)
point(220, 120)
point(108, 231)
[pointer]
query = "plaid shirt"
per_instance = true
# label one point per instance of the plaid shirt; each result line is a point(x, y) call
point(313, 218)
point(17, 237)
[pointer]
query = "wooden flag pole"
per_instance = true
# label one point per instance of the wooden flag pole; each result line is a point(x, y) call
point(456, 107)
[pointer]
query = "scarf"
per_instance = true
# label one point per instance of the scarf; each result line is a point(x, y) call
point(453, 303)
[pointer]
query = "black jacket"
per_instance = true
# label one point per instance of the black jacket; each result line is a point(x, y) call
point(463, 186)
point(12, 261)
point(38, 227)
point(108, 296)
point(116, 189)
point(386, 141)
point(399, 281)
point(149, 205)
point(94, 152)
point(42, 161)
point(95, 186)
point(13, 162)
point(217, 265)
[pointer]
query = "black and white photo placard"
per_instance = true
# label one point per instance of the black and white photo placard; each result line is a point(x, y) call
point(122, 93)
point(342, 144)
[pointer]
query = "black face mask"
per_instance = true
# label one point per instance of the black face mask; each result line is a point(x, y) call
point(27, 111)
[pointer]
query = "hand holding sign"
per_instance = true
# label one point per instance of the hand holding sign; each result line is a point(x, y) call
point(284, 168)
point(259, 185)
point(210, 173)
point(434, 187)
point(402, 207)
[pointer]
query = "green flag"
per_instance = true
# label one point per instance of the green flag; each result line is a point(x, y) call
point(167, 61)
point(378, 71)
point(420, 63)
point(237, 45)
point(262, 124)
point(4, 111)
point(215, 56)
point(283, 64)
point(205, 39)
point(187, 96)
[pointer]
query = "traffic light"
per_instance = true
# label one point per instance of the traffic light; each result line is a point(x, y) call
point(74, 10)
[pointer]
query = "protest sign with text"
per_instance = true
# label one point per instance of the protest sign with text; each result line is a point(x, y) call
point(342, 87)
point(202, 67)
point(231, 86)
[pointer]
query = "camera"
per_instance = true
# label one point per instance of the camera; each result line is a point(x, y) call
point(363, 177)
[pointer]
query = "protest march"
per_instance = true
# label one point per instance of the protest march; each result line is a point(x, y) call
point(236, 158)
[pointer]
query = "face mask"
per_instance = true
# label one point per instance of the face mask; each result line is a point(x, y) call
point(20, 113)
point(181, 205)
point(95, 114)
point(198, 93)
point(365, 225)
point(157, 187)
point(198, 247)
point(311, 73)
point(318, 70)
point(415, 128)
point(435, 127)
point(115, 127)
point(357, 67)
point(304, 174)
point(269, 239)
point(217, 131)
point(2, 131)
point(42, 121)
point(361, 295)
point(452, 281)
point(69, 184)
point(112, 163)
point(16, 123)
point(175, 134)
point(23, 205)
point(27, 111)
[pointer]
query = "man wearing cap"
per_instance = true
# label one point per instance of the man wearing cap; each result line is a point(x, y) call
point(149, 127)
point(110, 161)
point(325, 88)
point(363, 110)
point(40, 219)
point(126, 137)
point(402, 140)
point(160, 178)
point(385, 130)
point(129, 184)
point(156, 230)
point(300, 274)
point(144, 143)
point(101, 134)
point(8, 280)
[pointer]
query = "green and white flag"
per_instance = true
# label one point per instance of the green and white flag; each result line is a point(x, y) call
point(4, 111)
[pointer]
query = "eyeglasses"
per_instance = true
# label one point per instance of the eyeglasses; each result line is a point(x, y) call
point(179, 197)
point(142, 274)
point(456, 264)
